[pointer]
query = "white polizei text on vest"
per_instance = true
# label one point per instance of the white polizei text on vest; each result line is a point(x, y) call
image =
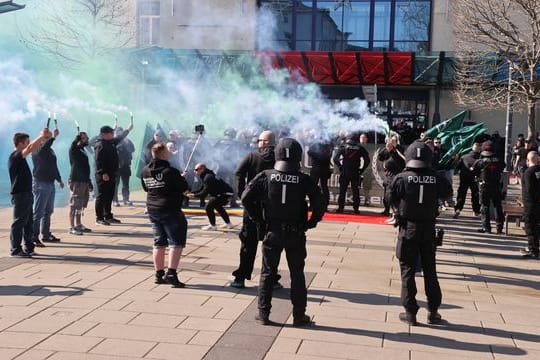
point(425, 179)
point(285, 178)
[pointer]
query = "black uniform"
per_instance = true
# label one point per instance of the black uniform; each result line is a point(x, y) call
point(253, 163)
point(467, 181)
point(106, 158)
point(531, 207)
point(393, 164)
point(488, 170)
point(351, 159)
point(320, 155)
point(415, 193)
point(219, 194)
point(277, 198)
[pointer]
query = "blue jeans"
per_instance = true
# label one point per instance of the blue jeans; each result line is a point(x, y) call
point(22, 222)
point(44, 192)
point(169, 228)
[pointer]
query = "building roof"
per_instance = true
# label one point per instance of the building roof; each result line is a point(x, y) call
point(7, 6)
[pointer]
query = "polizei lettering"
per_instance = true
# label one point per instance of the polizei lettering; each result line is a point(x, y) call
point(422, 179)
point(285, 178)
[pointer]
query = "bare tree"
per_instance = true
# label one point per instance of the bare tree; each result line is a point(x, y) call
point(495, 38)
point(74, 31)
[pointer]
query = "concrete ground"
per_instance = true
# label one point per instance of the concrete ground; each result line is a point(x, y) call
point(93, 297)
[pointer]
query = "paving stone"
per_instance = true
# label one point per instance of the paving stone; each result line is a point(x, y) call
point(69, 343)
point(117, 347)
point(177, 351)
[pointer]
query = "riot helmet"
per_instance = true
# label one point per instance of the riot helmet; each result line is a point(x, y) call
point(418, 155)
point(288, 153)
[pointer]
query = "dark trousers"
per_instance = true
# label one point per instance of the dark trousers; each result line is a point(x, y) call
point(491, 195)
point(414, 240)
point(22, 225)
point(249, 239)
point(123, 176)
point(465, 184)
point(344, 180)
point(321, 176)
point(217, 203)
point(386, 194)
point(294, 243)
point(531, 218)
point(104, 198)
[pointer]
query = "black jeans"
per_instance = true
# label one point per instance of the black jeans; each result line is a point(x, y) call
point(104, 198)
point(22, 225)
point(294, 243)
point(491, 194)
point(321, 176)
point(249, 239)
point(344, 180)
point(123, 175)
point(531, 218)
point(464, 185)
point(414, 240)
point(217, 203)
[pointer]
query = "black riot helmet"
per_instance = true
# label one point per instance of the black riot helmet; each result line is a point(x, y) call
point(418, 155)
point(288, 155)
point(487, 149)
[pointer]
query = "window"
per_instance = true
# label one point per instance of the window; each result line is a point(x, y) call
point(148, 30)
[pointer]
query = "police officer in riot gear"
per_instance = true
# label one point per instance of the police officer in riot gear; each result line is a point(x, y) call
point(414, 195)
point(276, 198)
point(351, 159)
point(488, 170)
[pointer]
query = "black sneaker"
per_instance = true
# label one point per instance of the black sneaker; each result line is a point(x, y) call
point(160, 277)
point(51, 238)
point(173, 280)
point(114, 221)
point(83, 228)
point(38, 243)
point(484, 231)
point(238, 284)
point(434, 317)
point(30, 252)
point(21, 254)
point(262, 319)
point(102, 222)
point(408, 318)
point(300, 321)
point(499, 231)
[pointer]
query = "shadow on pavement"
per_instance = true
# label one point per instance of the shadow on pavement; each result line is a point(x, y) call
point(41, 290)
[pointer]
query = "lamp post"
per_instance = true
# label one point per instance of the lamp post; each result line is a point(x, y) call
point(509, 120)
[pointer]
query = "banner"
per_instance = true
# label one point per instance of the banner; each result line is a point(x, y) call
point(452, 124)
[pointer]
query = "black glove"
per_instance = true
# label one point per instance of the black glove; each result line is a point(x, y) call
point(398, 220)
point(311, 224)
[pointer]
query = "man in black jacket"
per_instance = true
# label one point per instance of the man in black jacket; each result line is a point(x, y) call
point(165, 187)
point(393, 162)
point(467, 181)
point(125, 149)
point(530, 192)
point(106, 157)
point(219, 193)
point(320, 154)
point(45, 173)
point(261, 159)
point(79, 183)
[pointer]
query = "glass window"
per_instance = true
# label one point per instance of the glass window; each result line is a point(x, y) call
point(149, 7)
point(304, 19)
point(356, 20)
point(276, 15)
point(412, 20)
point(329, 26)
point(381, 21)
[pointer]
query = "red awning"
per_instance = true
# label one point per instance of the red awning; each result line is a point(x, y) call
point(347, 68)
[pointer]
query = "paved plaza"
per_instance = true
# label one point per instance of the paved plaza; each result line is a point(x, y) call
point(93, 297)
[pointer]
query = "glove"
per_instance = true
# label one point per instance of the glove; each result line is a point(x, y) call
point(397, 221)
point(311, 224)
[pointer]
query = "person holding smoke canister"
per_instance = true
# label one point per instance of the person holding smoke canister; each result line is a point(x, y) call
point(414, 195)
point(106, 158)
point(79, 183)
point(45, 173)
point(165, 187)
point(22, 197)
point(250, 234)
point(219, 194)
point(277, 199)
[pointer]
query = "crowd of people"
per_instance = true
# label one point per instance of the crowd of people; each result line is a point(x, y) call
point(266, 173)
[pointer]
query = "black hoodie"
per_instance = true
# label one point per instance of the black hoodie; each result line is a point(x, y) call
point(253, 163)
point(211, 185)
point(165, 186)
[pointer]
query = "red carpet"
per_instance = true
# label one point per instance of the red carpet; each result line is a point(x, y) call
point(366, 218)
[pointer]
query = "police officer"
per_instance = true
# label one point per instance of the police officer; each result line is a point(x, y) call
point(414, 195)
point(255, 162)
point(320, 154)
point(468, 181)
point(276, 197)
point(488, 170)
point(531, 205)
point(351, 159)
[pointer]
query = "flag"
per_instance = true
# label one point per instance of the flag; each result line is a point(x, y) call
point(452, 124)
point(461, 143)
point(451, 138)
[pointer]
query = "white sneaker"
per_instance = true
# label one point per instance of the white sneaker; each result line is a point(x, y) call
point(209, 227)
point(226, 226)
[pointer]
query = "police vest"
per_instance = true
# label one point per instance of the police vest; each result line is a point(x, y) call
point(286, 197)
point(420, 202)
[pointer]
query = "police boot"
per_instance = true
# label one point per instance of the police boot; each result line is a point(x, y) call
point(262, 318)
point(301, 320)
point(408, 318)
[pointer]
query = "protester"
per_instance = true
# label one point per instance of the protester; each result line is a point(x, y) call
point(22, 198)
point(165, 187)
point(467, 181)
point(531, 205)
point(320, 154)
point(125, 149)
point(156, 138)
point(79, 183)
point(219, 194)
point(393, 163)
point(45, 173)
